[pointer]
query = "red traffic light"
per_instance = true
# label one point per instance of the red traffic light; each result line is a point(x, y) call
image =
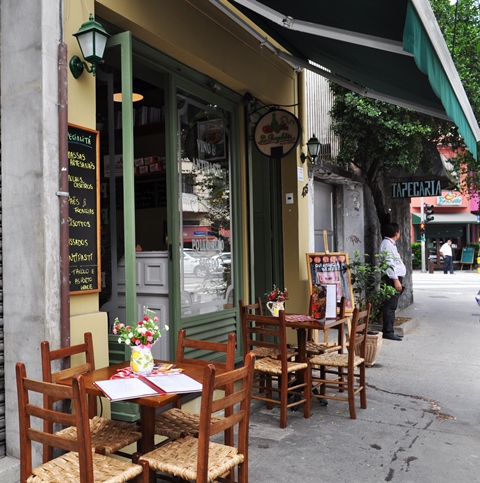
point(422, 226)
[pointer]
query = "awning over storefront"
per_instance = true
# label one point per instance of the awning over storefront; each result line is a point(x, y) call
point(392, 51)
point(449, 219)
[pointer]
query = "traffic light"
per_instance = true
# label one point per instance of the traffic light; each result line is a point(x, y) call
point(422, 228)
point(429, 213)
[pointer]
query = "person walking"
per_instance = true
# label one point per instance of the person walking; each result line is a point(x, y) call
point(393, 277)
point(446, 252)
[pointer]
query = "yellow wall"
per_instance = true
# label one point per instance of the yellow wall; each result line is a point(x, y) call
point(85, 316)
point(199, 35)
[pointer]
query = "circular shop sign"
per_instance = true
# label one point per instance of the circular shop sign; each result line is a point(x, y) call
point(277, 133)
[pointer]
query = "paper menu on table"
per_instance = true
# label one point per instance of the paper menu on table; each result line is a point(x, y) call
point(331, 304)
point(126, 388)
point(175, 383)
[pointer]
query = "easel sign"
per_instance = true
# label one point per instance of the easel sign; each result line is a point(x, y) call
point(331, 268)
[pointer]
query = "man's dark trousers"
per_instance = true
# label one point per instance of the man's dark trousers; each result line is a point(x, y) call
point(447, 264)
point(389, 307)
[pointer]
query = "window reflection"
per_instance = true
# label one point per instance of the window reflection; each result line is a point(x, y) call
point(205, 208)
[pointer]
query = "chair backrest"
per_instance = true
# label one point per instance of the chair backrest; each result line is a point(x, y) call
point(358, 332)
point(266, 331)
point(255, 308)
point(28, 432)
point(239, 401)
point(58, 355)
point(228, 348)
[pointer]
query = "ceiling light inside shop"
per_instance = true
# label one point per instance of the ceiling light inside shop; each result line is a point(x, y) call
point(117, 97)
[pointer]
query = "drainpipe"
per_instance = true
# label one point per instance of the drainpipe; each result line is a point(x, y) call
point(63, 189)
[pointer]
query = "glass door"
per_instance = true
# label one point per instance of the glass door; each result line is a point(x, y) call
point(204, 178)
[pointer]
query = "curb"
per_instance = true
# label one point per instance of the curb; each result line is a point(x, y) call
point(402, 329)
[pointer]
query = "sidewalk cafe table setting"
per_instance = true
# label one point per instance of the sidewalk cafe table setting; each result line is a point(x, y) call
point(157, 390)
point(302, 323)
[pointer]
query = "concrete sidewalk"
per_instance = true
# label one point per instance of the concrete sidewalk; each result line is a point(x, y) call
point(422, 421)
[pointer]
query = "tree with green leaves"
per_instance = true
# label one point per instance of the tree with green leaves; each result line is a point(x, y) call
point(460, 24)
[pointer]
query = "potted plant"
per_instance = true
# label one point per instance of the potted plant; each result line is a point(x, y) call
point(367, 286)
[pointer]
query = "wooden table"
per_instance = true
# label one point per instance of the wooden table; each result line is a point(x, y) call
point(303, 323)
point(148, 404)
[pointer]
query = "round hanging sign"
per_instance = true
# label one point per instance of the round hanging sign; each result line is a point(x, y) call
point(277, 133)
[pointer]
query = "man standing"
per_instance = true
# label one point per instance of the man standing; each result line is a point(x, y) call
point(446, 252)
point(393, 277)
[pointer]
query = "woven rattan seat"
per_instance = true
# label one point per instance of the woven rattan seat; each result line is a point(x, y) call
point(176, 423)
point(345, 371)
point(273, 353)
point(314, 348)
point(199, 459)
point(66, 469)
point(274, 366)
point(79, 464)
point(179, 458)
point(335, 360)
point(107, 435)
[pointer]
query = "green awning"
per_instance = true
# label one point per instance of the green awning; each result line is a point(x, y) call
point(449, 219)
point(388, 50)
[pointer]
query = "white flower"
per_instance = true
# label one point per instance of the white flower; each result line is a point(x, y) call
point(128, 342)
point(130, 335)
point(119, 340)
point(166, 327)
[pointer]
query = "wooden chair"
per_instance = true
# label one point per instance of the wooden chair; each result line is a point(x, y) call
point(199, 459)
point(256, 309)
point(315, 348)
point(353, 379)
point(176, 423)
point(107, 435)
point(80, 463)
point(271, 333)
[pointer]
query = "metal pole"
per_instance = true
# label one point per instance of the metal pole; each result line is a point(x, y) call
point(422, 242)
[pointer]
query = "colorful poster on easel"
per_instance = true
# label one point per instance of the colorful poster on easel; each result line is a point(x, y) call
point(331, 268)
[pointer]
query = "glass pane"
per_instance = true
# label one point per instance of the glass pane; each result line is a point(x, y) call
point(205, 206)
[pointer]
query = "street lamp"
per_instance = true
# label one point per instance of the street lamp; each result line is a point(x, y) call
point(313, 146)
point(92, 39)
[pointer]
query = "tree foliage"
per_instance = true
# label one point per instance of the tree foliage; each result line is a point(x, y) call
point(460, 25)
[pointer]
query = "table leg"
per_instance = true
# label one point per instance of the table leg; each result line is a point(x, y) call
point(302, 344)
point(147, 423)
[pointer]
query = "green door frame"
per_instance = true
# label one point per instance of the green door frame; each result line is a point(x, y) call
point(124, 40)
point(197, 84)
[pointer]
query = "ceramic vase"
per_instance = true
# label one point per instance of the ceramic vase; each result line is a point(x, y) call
point(141, 360)
point(275, 307)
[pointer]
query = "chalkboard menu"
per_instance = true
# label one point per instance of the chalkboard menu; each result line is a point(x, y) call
point(84, 212)
point(331, 268)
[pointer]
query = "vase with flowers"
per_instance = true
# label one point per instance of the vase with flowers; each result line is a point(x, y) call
point(276, 300)
point(140, 339)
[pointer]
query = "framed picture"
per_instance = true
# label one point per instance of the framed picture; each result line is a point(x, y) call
point(331, 268)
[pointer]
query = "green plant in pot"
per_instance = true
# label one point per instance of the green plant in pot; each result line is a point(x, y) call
point(367, 282)
point(367, 286)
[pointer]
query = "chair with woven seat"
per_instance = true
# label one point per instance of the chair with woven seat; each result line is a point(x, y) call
point(315, 348)
point(107, 435)
point(176, 423)
point(79, 463)
point(292, 378)
point(256, 309)
point(353, 378)
point(199, 459)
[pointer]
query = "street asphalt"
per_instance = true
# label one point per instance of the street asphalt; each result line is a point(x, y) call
point(422, 419)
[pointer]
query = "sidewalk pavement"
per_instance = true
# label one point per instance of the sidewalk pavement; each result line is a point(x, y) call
point(422, 421)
